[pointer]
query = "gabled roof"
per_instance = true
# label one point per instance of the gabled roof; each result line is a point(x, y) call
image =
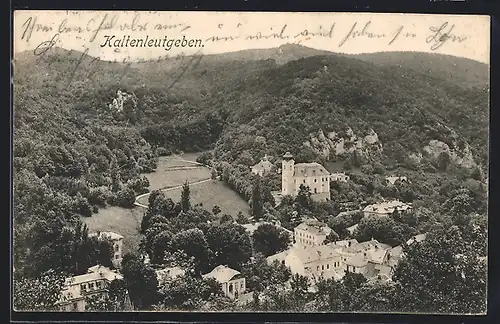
point(222, 274)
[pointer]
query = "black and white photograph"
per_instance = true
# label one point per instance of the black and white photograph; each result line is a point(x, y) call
point(250, 162)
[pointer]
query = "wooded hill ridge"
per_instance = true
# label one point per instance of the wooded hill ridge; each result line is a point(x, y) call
point(286, 95)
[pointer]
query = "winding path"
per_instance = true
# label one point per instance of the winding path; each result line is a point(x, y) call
point(137, 203)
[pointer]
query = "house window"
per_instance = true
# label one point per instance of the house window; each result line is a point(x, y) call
point(314, 180)
point(317, 268)
point(328, 266)
point(322, 267)
point(99, 285)
point(117, 256)
point(241, 285)
point(304, 181)
point(83, 287)
point(116, 247)
point(75, 306)
point(315, 190)
point(91, 285)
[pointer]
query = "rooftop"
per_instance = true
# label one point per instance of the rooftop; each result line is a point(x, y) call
point(94, 273)
point(417, 238)
point(222, 274)
point(309, 169)
point(387, 207)
point(315, 253)
point(170, 272)
point(314, 227)
point(358, 260)
point(393, 179)
point(263, 164)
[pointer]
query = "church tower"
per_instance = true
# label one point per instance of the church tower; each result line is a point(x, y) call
point(287, 170)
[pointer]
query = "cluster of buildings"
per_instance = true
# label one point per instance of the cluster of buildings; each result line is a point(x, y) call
point(310, 257)
point(77, 289)
point(96, 281)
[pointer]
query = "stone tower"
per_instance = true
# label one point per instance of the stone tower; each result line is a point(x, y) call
point(287, 168)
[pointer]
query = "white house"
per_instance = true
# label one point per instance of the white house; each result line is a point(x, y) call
point(263, 167)
point(311, 232)
point(392, 179)
point(117, 244)
point(386, 208)
point(339, 176)
point(232, 282)
point(94, 283)
point(312, 175)
point(164, 274)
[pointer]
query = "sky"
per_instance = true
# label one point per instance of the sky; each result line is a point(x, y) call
point(103, 34)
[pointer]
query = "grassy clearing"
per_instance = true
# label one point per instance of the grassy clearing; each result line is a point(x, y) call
point(213, 193)
point(126, 222)
point(165, 177)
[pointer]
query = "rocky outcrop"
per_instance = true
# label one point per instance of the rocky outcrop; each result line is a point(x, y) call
point(335, 144)
point(462, 158)
point(122, 98)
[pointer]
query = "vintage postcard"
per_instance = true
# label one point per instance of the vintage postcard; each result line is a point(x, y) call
point(250, 162)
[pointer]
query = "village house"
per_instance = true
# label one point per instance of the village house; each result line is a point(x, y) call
point(311, 232)
point(167, 273)
point(392, 179)
point(396, 254)
point(340, 176)
point(263, 167)
point(386, 208)
point(312, 175)
point(116, 241)
point(232, 281)
point(94, 283)
point(311, 261)
point(333, 260)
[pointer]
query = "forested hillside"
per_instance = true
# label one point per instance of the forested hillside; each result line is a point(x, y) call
point(84, 130)
point(285, 106)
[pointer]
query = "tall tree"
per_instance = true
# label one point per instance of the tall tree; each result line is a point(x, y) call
point(230, 244)
point(185, 199)
point(257, 203)
point(38, 294)
point(303, 200)
point(269, 239)
point(141, 282)
point(194, 244)
point(442, 274)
